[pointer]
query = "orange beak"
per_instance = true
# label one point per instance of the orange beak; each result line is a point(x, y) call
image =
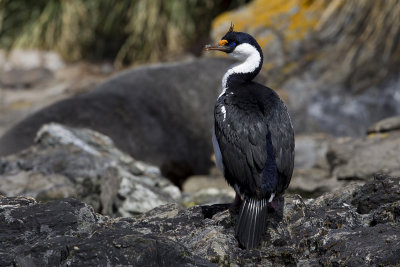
point(220, 47)
point(222, 42)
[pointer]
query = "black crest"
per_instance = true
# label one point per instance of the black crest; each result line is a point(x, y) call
point(231, 28)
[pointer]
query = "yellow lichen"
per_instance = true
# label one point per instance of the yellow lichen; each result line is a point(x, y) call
point(293, 19)
point(19, 104)
point(378, 135)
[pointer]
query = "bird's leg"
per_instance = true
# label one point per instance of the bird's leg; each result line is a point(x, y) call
point(275, 204)
point(236, 203)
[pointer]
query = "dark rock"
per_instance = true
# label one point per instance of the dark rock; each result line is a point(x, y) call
point(69, 233)
point(158, 113)
point(341, 228)
point(176, 172)
point(373, 195)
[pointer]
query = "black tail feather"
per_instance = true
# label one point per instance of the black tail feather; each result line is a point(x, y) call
point(251, 222)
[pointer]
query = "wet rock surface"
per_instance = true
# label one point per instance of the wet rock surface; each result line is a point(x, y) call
point(356, 226)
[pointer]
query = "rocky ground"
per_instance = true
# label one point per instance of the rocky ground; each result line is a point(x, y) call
point(357, 226)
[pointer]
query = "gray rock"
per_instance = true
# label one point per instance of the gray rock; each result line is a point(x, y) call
point(318, 106)
point(158, 113)
point(385, 125)
point(81, 163)
point(311, 151)
point(325, 163)
point(314, 182)
point(356, 226)
point(208, 196)
point(312, 175)
point(361, 158)
point(201, 190)
point(18, 78)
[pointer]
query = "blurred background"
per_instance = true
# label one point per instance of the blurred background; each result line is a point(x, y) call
point(136, 72)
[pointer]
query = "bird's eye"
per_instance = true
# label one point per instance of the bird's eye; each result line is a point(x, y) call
point(232, 44)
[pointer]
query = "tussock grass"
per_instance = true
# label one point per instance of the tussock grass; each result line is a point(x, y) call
point(122, 30)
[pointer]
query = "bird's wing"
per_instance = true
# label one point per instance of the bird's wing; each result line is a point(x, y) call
point(242, 139)
point(282, 137)
point(257, 150)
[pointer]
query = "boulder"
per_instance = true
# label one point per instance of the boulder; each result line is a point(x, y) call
point(324, 163)
point(159, 113)
point(361, 158)
point(385, 125)
point(311, 175)
point(355, 226)
point(311, 151)
point(81, 163)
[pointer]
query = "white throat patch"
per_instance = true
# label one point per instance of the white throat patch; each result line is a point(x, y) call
point(250, 58)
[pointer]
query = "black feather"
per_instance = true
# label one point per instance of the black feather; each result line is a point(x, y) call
point(231, 28)
point(251, 224)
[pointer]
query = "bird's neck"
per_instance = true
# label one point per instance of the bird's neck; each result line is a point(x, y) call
point(244, 71)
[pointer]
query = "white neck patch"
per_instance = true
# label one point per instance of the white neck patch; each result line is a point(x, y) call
point(250, 58)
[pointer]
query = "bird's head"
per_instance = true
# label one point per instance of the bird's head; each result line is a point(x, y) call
point(237, 44)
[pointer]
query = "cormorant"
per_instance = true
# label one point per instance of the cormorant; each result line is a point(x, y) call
point(253, 137)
